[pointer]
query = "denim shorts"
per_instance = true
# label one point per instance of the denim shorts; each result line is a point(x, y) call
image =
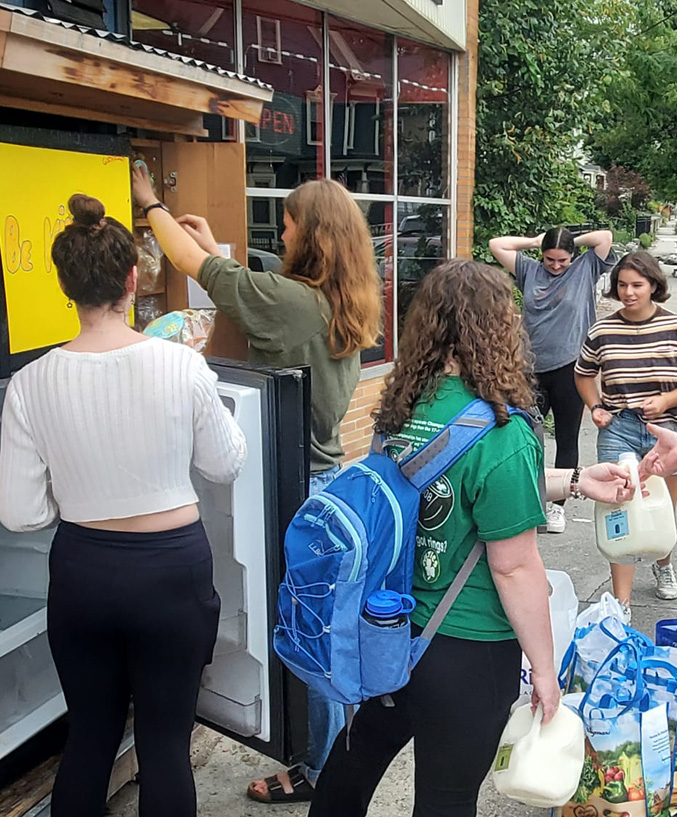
point(627, 432)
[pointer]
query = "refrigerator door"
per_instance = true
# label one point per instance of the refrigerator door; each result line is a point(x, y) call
point(30, 694)
point(245, 693)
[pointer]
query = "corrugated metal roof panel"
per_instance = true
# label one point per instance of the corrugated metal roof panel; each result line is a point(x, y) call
point(129, 43)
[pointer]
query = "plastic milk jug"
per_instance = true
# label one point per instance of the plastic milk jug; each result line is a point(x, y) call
point(643, 528)
point(540, 765)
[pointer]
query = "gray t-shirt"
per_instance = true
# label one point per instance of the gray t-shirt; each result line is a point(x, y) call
point(559, 309)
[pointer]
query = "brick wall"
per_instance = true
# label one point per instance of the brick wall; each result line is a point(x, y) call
point(467, 84)
point(356, 426)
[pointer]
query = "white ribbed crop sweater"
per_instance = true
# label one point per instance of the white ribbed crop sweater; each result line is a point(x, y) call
point(89, 436)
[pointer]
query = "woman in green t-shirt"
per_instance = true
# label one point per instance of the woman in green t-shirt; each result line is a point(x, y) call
point(462, 339)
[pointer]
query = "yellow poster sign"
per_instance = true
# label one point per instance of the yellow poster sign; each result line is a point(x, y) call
point(35, 185)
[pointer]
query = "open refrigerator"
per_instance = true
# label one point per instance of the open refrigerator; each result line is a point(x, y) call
point(245, 693)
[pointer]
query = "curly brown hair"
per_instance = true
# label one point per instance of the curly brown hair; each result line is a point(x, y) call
point(334, 253)
point(462, 309)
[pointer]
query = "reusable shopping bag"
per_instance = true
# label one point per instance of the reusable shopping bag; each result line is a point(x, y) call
point(599, 629)
point(629, 747)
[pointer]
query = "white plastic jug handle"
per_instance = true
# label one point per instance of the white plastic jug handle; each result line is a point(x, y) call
point(535, 729)
point(630, 462)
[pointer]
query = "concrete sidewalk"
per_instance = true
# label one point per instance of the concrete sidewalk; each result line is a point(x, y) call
point(223, 778)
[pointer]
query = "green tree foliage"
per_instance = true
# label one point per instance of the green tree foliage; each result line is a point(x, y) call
point(541, 68)
point(640, 131)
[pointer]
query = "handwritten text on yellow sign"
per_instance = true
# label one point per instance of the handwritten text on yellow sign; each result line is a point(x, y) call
point(35, 185)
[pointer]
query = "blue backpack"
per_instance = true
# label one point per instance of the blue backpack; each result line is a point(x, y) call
point(355, 537)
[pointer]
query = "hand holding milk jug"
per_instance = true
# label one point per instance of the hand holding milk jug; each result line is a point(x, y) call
point(643, 527)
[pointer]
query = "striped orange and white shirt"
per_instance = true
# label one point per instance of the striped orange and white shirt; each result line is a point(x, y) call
point(636, 359)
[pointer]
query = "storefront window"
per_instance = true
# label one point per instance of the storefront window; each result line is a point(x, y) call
point(203, 31)
point(361, 87)
point(283, 47)
point(379, 215)
point(423, 120)
point(422, 240)
point(265, 226)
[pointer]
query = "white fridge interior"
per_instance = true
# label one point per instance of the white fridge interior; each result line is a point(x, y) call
point(235, 687)
point(30, 695)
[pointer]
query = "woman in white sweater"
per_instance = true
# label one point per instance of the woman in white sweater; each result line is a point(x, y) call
point(101, 435)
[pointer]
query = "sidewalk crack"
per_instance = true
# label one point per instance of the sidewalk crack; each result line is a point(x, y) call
point(596, 590)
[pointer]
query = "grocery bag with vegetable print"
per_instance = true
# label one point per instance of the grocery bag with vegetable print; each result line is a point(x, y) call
point(629, 763)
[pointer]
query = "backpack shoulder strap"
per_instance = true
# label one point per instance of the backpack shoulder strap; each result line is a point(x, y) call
point(421, 643)
point(427, 464)
point(445, 448)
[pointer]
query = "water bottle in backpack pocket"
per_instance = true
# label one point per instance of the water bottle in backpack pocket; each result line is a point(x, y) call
point(385, 633)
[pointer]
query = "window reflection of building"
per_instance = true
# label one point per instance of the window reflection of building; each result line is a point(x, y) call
point(291, 139)
point(381, 128)
point(361, 80)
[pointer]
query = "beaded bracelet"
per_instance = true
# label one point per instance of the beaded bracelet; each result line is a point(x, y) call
point(574, 488)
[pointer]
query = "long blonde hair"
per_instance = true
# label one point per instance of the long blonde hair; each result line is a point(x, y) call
point(332, 251)
point(465, 309)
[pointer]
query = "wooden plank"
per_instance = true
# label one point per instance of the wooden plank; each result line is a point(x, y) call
point(105, 50)
point(235, 108)
point(210, 181)
point(5, 20)
point(27, 792)
point(137, 141)
point(47, 61)
point(90, 114)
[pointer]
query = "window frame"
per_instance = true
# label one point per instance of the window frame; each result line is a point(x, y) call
point(395, 199)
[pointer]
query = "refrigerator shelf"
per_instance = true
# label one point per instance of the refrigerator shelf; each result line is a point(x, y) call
point(232, 635)
point(21, 619)
point(243, 719)
point(31, 723)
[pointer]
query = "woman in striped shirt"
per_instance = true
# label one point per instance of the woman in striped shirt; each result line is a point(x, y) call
point(635, 352)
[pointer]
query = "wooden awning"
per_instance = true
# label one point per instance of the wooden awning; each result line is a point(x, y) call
point(58, 69)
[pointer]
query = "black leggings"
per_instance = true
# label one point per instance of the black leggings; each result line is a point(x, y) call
point(455, 707)
point(130, 616)
point(557, 391)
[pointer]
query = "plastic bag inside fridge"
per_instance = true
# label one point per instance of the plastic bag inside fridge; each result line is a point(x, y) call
point(30, 694)
point(235, 686)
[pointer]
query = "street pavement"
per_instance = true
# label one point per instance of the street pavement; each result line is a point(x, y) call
point(225, 768)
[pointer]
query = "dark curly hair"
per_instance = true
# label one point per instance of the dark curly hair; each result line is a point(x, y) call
point(465, 309)
point(93, 255)
point(647, 266)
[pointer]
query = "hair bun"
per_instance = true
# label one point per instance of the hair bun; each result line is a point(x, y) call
point(86, 210)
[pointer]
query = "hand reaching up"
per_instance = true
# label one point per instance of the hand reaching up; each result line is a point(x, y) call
point(199, 230)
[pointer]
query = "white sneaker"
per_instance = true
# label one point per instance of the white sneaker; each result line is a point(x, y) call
point(556, 519)
point(666, 583)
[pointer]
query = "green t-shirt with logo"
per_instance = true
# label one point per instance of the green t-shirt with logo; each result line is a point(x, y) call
point(491, 493)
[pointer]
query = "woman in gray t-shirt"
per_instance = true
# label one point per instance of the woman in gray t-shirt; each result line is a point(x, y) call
point(558, 309)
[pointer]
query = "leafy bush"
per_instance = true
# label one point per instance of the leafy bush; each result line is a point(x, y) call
point(644, 241)
point(517, 297)
point(540, 71)
point(622, 236)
